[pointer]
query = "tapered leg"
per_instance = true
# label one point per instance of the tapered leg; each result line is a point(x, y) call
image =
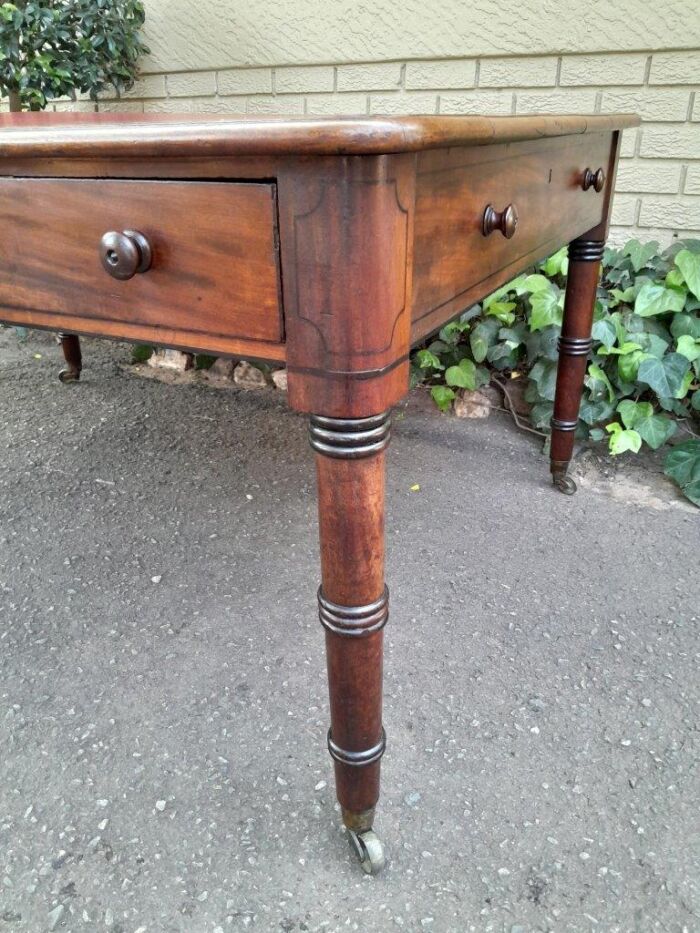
point(70, 344)
point(574, 347)
point(353, 608)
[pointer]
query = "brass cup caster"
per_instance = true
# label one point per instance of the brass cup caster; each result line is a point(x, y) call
point(369, 850)
point(564, 483)
point(69, 375)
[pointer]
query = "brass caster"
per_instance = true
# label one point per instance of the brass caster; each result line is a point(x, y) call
point(69, 375)
point(369, 851)
point(564, 484)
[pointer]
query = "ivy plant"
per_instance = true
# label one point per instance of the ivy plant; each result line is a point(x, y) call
point(55, 48)
point(642, 383)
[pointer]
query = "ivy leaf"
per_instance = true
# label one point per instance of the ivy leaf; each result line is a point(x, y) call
point(428, 360)
point(535, 283)
point(481, 338)
point(652, 344)
point(688, 347)
point(463, 376)
point(686, 324)
point(558, 264)
point(632, 412)
point(451, 332)
point(627, 347)
point(597, 378)
point(604, 331)
point(442, 396)
point(683, 465)
point(665, 376)
point(654, 298)
point(622, 439)
point(541, 414)
point(655, 430)
point(544, 375)
point(695, 400)
point(628, 366)
point(547, 308)
point(689, 264)
point(502, 310)
point(593, 412)
point(640, 253)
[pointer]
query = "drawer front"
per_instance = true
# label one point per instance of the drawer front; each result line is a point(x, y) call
point(214, 270)
point(455, 264)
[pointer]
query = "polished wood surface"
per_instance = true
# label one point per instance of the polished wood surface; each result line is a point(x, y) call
point(331, 244)
point(214, 270)
point(455, 264)
point(133, 135)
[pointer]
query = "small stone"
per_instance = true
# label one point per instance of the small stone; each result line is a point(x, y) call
point(203, 896)
point(109, 918)
point(411, 799)
point(584, 856)
point(171, 359)
point(103, 803)
point(160, 805)
point(248, 376)
point(535, 730)
point(222, 370)
point(279, 377)
point(55, 916)
point(536, 704)
point(503, 872)
point(320, 785)
point(646, 702)
point(157, 578)
point(625, 742)
point(471, 404)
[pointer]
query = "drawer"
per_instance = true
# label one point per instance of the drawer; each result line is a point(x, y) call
point(214, 270)
point(455, 264)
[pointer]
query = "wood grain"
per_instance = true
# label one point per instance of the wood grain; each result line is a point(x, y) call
point(165, 135)
point(455, 264)
point(215, 265)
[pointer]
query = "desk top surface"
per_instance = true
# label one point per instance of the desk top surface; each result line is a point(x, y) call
point(129, 135)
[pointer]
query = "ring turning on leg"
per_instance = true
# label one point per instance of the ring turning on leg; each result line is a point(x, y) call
point(574, 346)
point(353, 607)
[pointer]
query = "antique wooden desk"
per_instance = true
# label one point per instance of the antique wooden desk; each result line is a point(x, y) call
point(332, 245)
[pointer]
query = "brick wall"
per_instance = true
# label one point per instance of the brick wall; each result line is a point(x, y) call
point(658, 185)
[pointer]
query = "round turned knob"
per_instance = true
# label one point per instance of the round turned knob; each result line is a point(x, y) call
point(125, 254)
point(506, 221)
point(595, 180)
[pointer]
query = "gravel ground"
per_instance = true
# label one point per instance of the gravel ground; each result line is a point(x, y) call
point(162, 688)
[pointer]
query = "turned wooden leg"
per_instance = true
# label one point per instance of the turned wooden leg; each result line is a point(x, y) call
point(353, 608)
point(574, 347)
point(70, 344)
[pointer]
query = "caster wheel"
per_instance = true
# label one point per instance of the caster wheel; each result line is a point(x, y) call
point(369, 850)
point(69, 375)
point(565, 484)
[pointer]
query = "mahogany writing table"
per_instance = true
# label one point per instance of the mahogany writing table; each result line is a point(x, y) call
point(332, 245)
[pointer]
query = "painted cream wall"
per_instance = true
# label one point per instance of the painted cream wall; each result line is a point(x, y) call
point(453, 56)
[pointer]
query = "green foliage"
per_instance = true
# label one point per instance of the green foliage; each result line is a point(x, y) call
point(53, 48)
point(683, 465)
point(643, 376)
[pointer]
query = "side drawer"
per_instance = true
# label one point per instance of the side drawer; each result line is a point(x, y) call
point(214, 271)
point(455, 263)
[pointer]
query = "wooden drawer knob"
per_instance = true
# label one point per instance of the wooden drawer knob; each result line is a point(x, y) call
point(125, 254)
point(595, 180)
point(506, 221)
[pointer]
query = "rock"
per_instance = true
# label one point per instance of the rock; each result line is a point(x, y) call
point(411, 799)
point(248, 376)
point(55, 916)
point(279, 377)
point(160, 805)
point(472, 404)
point(222, 370)
point(171, 359)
